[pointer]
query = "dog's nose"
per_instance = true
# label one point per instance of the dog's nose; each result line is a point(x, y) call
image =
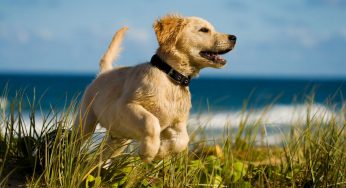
point(232, 38)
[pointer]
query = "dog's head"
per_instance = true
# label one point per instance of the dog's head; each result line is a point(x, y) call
point(193, 41)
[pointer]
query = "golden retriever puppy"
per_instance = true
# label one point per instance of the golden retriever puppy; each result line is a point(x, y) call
point(150, 102)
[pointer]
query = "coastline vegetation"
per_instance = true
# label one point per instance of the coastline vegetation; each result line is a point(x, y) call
point(46, 154)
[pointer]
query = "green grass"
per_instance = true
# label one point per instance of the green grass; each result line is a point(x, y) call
point(313, 155)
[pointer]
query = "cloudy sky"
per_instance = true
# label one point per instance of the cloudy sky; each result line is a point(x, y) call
point(295, 38)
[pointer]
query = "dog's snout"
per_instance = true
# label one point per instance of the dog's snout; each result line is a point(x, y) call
point(232, 38)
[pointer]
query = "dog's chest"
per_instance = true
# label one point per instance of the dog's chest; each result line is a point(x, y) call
point(170, 106)
point(175, 108)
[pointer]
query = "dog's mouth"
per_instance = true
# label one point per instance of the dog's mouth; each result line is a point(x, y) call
point(215, 57)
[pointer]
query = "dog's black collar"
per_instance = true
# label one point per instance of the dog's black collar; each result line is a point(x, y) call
point(173, 74)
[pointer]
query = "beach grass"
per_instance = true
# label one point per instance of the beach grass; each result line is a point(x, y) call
point(45, 153)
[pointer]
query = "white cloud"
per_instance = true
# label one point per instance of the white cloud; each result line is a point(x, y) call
point(303, 35)
point(307, 37)
point(14, 34)
point(334, 2)
point(45, 34)
point(138, 35)
point(22, 36)
point(343, 32)
point(3, 33)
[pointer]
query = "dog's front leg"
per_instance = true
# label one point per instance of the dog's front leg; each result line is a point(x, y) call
point(144, 126)
point(173, 140)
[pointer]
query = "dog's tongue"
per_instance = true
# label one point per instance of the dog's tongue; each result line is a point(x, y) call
point(219, 59)
point(216, 58)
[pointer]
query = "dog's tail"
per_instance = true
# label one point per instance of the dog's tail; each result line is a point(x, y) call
point(113, 51)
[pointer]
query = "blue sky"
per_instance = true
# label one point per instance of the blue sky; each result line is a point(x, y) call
point(295, 38)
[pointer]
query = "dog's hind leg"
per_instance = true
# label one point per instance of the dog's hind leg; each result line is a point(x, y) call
point(86, 121)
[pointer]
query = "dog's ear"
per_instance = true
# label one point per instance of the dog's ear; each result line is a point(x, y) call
point(167, 30)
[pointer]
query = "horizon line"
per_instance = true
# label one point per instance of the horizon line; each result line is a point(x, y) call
point(221, 76)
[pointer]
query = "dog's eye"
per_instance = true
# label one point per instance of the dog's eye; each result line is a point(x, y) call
point(204, 30)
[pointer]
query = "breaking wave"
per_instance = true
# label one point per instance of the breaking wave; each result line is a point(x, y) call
point(278, 118)
point(277, 115)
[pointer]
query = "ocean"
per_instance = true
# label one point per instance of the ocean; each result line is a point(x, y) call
point(216, 101)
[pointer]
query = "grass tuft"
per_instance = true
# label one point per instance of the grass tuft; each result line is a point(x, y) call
point(44, 152)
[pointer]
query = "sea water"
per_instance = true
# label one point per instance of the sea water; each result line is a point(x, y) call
point(216, 102)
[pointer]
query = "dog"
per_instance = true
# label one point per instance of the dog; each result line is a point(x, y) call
point(150, 102)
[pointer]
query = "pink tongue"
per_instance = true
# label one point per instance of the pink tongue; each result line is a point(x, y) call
point(218, 58)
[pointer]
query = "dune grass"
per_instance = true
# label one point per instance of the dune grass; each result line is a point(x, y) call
point(313, 155)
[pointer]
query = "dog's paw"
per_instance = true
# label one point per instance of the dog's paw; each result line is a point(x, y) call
point(149, 148)
point(147, 158)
